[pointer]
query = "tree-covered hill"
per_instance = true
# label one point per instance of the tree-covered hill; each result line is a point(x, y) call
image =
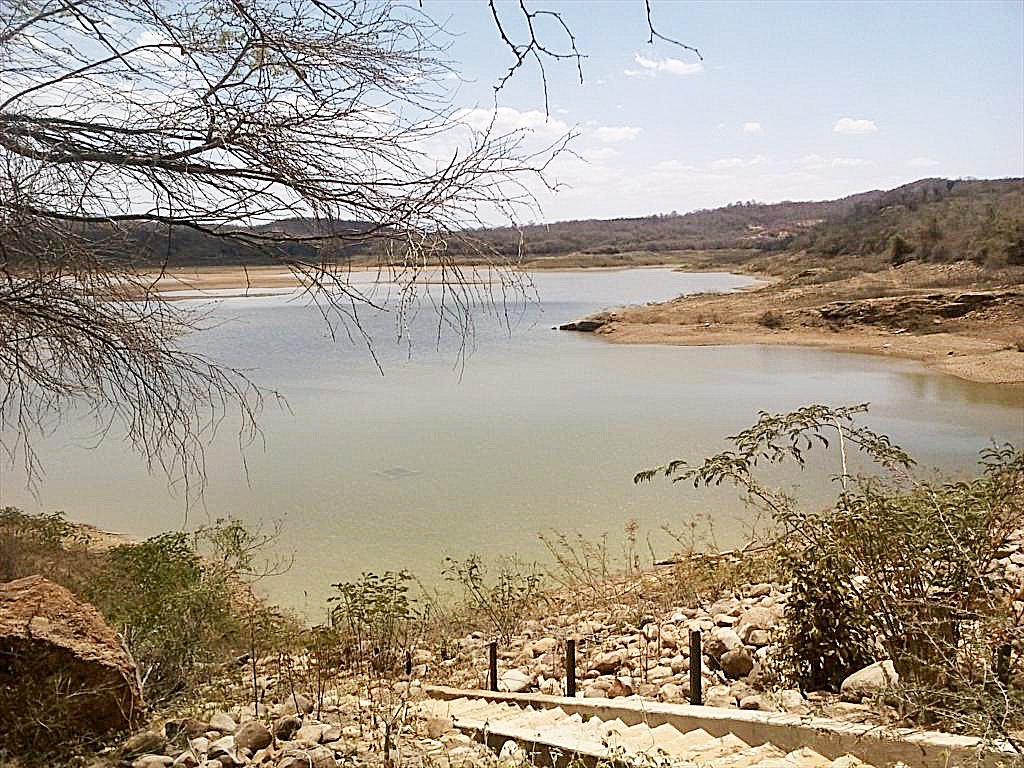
point(932, 220)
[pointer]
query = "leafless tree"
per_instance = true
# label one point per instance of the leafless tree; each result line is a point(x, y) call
point(125, 123)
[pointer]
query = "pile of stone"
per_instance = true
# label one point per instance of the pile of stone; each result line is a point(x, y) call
point(290, 736)
point(651, 658)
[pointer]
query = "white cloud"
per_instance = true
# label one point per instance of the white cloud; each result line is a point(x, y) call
point(506, 120)
point(651, 67)
point(812, 161)
point(599, 154)
point(615, 133)
point(751, 127)
point(922, 162)
point(849, 162)
point(737, 162)
point(854, 125)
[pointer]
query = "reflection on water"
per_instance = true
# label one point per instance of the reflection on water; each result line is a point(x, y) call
point(540, 430)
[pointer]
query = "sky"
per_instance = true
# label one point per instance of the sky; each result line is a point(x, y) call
point(792, 101)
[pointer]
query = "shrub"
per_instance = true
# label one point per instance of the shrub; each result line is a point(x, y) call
point(380, 625)
point(909, 564)
point(506, 601)
point(770, 319)
point(174, 614)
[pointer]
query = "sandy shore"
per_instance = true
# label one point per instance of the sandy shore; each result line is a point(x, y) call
point(905, 313)
point(968, 357)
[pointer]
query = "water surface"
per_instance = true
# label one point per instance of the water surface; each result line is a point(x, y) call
point(539, 429)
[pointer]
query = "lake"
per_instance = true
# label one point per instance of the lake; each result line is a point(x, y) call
point(538, 430)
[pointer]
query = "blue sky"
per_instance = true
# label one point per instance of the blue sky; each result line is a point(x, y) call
point(794, 100)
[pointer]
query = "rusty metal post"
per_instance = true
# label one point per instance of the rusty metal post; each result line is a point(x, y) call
point(492, 660)
point(570, 668)
point(1004, 655)
point(696, 667)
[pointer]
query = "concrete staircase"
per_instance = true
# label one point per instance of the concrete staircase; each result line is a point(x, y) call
point(552, 731)
point(559, 731)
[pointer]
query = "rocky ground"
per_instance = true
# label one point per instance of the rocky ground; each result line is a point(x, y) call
point(619, 654)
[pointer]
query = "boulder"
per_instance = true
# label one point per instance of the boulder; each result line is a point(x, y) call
point(737, 663)
point(870, 681)
point(754, 619)
point(153, 761)
point(438, 726)
point(223, 722)
point(285, 727)
point(609, 662)
point(318, 757)
point(49, 635)
point(513, 681)
point(722, 640)
point(253, 735)
point(297, 705)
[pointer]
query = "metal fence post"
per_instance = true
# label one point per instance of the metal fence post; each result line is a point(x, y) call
point(492, 661)
point(696, 667)
point(570, 668)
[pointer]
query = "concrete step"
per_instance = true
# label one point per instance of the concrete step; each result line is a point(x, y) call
point(593, 736)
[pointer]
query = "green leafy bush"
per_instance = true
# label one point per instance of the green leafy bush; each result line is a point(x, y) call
point(174, 612)
point(896, 567)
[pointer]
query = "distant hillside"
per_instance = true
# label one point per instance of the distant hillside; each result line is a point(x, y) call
point(936, 220)
point(740, 225)
point(932, 220)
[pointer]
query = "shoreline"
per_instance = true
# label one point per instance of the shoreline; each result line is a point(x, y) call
point(970, 358)
point(959, 352)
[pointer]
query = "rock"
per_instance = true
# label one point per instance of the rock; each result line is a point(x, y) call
point(542, 646)
point(659, 673)
point(757, 618)
point(869, 682)
point(317, 757)
point(143, 741)
point(222, 746)
point(758, 638)
point(285, 727)
point(588, 324)
point(759, 590)
point(752, 702)
point(595, 691)
point(609, 662)
point(200, 745)
point(722, 640)
point(793, 702)
point(186, 759)
point(310, 733)
point(297, 705)
point(549, 686)
point(152, 761)
point(719, 696)
point(223, 722)
point(669, 638)
point(514, 681)
point(438, 726)
point(331, 733)
point(46, 630)
point(253, 735)
point(728, 606)
point(670, 692)
point(737, 663)
point(188, 727)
